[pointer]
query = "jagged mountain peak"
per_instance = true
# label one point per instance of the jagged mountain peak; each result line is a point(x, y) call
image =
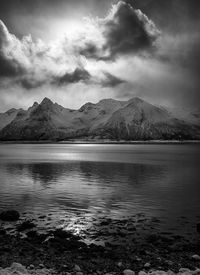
point(46, 101)
point(35, 104)
point(134, 119)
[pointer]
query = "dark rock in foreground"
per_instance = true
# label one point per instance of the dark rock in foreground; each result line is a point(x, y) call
point(25, 225)
point(9, 215)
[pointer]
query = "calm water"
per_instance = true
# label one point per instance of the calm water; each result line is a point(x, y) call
point(111, 180)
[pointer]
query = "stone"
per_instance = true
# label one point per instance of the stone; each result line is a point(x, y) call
point(79, 273)
point(147, 265)
point(25, 225)
point(142, 273)
point(196, 257)
point(9, 215)
point(18, 268)
point(196, 272)
point(77, 268)
point(128, 272)
point(184, 270)
point(31, 266)
point(170, 272)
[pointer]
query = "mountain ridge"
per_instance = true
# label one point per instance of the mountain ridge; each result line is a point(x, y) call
point(134, 119)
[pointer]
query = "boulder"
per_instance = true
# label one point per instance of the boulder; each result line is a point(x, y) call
point(9, 215)
point(25, 225)
point(196, 257)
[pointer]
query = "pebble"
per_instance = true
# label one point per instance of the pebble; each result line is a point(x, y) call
point(128, 272)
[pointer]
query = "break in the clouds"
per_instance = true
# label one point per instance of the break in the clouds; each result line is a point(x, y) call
point(137, 47)
point(33, 63)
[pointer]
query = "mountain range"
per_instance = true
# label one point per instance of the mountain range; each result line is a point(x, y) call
point(109, 119)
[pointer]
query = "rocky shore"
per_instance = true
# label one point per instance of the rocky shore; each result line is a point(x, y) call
point(119, 247)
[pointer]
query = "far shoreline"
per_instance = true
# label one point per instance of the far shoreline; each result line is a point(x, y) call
point(102, 142)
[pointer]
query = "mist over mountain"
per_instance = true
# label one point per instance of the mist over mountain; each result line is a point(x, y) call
point(134, 119)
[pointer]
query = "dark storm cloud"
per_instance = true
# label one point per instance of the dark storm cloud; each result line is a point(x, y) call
point(79, 74)
point(171, 15)
point(29, 83)
point(125, 31)
point(9, 68)
point(129, 30)
point(111, 80)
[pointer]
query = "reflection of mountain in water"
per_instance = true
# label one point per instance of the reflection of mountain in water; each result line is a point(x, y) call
point(103, 173)
point(84, 185)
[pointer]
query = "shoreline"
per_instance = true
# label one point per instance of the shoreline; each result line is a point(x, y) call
point(136, 247)
point(106, 142)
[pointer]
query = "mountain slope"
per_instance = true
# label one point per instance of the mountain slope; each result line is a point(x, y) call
point(139, 120)
point(7, 117)
point(134, 119)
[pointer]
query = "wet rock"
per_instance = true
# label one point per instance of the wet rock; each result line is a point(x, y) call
point(196, 257)
point(62, 234)
point(10, 215)
point(128, 272)
point(25, 225)
point(77, 268)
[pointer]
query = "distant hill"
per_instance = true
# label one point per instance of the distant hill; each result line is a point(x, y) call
point(134, 119)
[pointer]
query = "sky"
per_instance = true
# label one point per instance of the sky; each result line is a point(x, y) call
point(78, 51)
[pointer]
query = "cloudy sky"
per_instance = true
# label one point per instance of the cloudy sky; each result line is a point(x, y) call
point(75, 51)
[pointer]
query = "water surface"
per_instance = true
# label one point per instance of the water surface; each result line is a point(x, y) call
point(102, 180)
